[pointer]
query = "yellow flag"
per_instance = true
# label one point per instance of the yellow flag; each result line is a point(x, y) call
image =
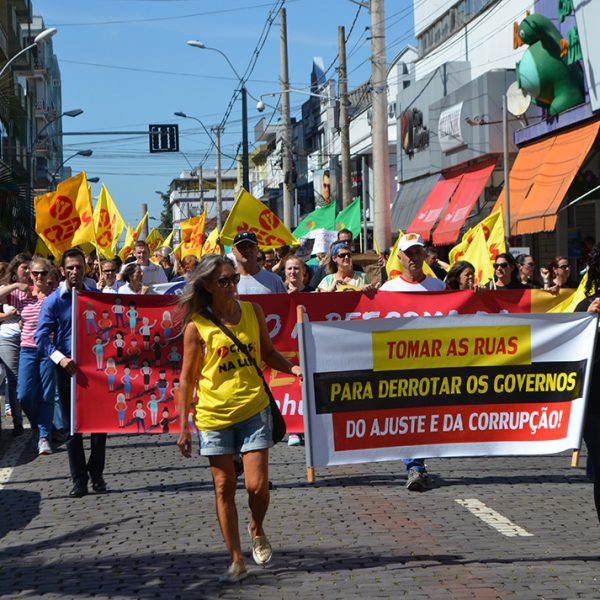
point(570, 303)
point(478, 255)
point(169, 239)
point(196, 240)
point(493, 230)
point(394, 267)
point(177, 251)
point(63, 218)
point(41, 249)
point(211, 245)
point(138, 230)
point(154, 240)
point(128, 245)
point(108, 224)
point(187, 227)
point(250, 214)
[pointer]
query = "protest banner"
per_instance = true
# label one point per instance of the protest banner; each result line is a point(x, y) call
point(469, 385)
point(129, 351)
point(280, 314)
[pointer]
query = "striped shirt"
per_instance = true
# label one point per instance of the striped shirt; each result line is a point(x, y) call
point(30, 315)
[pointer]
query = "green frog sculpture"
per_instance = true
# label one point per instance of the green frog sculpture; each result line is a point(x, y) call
point(544, 72)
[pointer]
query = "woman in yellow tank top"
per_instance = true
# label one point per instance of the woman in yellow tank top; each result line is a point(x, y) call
point(232, 413)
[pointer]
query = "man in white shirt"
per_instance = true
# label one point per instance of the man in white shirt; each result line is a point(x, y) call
point(411, 252)
point(153, 274)
point(253, 279)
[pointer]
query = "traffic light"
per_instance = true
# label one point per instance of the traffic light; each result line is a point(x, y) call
point(163, 138)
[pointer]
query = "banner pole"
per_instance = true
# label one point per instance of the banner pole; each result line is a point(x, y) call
point(73, 356)
point(310, 470)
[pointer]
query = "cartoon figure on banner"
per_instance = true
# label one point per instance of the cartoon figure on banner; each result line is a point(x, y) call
point(153, 408)
point(166, 324)
point(174, 359)
point(132, 314)
point(164, 422)
point(119, 344)
point(133, 352)
point(157, 348)
point(121, 407)
point(90, 318)
point(98, 349)
point(139, 414)
point(126, 381)
point(119, 311)
point(145, 331)
point(162, 385)
point(111, 374)
point(146, 371)
point(175, 392)
point(105, 325)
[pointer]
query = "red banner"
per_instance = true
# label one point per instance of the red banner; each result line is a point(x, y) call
point(129, 355)
point(129, 358)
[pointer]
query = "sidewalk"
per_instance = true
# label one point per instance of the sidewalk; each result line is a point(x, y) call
point(356, 533)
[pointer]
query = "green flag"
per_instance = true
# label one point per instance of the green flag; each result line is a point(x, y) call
point(350, 218)
point(320, 218)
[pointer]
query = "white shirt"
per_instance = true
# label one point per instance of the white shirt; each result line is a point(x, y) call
point(399, 284)
point(262, 282)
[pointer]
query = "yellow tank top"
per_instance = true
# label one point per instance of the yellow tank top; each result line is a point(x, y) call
point(229, 388)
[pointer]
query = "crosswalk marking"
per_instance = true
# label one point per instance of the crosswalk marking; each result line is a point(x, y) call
point(493, 518)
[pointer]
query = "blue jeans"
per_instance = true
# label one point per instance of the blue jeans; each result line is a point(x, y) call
point(9, 355)
point(418, 464)
point(35, 389)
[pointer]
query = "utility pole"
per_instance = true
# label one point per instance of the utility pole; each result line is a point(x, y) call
point(286, 138)
point(144, 232)
point(200, 188)
point(379, 129)
point(245, 157)
point(344, 120)
point(218, 192)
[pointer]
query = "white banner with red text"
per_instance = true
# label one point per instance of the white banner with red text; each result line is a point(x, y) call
point(464, 385)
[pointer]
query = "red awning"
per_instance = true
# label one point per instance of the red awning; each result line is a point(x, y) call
point(433, 206)
point(471, 185)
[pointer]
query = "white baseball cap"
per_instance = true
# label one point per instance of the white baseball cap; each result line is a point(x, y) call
point(408, 240)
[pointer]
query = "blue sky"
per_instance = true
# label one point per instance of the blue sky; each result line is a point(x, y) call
point(126, 64)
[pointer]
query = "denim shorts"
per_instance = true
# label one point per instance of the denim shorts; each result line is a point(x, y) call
point(255, 433)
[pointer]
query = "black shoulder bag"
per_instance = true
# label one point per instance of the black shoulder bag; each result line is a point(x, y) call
point(279, 428)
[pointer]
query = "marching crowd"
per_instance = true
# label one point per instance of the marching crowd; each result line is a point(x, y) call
point(234, 416)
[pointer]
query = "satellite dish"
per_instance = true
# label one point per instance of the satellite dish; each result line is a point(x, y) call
point(517, 102)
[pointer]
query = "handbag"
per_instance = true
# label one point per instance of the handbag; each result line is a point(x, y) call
point(279, 427)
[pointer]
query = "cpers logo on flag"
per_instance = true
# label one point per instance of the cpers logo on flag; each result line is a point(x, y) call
point(250, 214)
point(64, 217)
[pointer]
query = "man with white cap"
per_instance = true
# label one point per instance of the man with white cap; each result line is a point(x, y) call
point(411, 252)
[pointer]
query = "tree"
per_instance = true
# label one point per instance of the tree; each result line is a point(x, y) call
point(166, 215)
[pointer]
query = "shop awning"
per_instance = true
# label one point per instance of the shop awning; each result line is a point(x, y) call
point(541, 176)
point(427, 216)
point(469, 189)
point(409, 199)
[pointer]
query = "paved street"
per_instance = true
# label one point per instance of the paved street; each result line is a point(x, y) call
point(357, 533)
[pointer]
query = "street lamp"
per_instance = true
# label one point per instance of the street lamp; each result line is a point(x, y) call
point(40, 37)
point(260, 105)
point(245, 158)
point(30, 179)
point(86, 153)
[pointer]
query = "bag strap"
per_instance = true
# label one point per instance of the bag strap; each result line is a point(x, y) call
point(241, 347)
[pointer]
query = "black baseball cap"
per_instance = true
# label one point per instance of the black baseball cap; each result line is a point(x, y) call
point(245, 236)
